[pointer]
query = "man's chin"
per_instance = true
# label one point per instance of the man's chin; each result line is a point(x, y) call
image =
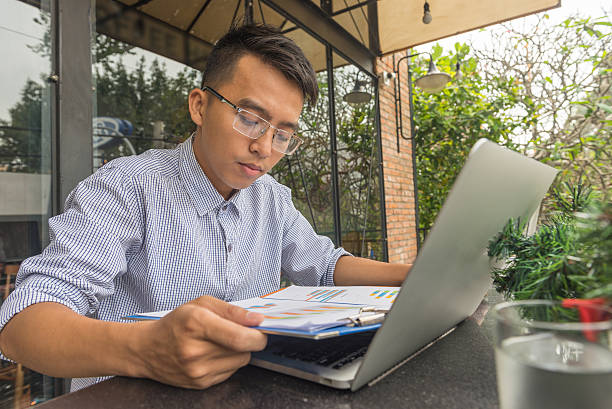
point(246, 182)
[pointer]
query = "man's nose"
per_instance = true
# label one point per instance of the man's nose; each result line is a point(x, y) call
point(263, 144)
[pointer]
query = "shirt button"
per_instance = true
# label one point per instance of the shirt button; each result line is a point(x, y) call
point(224, 208)
point(229, 248)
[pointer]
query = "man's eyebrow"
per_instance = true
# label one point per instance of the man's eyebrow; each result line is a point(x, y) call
point(251, 105)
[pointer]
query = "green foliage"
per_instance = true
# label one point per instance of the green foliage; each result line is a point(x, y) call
point(566, 70)
point(595, 237)
point(569, 256)
point(551, 103)
point(143, 95)
point(448, 124)
point(20, 136)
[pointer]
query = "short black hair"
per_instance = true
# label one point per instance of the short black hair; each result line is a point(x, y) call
point(271, 46)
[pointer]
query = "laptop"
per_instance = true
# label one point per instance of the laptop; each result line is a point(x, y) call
point(448, 280)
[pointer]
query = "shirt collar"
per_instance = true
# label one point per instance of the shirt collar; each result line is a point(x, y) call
point(199, 188)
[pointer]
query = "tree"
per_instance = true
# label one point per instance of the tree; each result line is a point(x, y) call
point(141, 96)
point(103, 46)
point(144, 95)
point(448, 123)
point(565, 71)
point(20, 136)
point(542, 91)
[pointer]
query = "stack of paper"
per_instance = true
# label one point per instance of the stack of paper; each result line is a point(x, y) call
point(311, 309)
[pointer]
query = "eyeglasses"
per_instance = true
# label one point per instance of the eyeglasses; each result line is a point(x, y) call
point(254, 126)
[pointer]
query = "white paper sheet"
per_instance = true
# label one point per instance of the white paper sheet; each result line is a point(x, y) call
point(311, 309)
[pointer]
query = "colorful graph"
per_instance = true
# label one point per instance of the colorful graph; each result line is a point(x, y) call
point(268, 305)
point(384, 294)
point(302, 312)
point(324, 295)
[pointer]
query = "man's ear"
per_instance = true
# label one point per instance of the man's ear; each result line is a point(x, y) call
point(197, 105)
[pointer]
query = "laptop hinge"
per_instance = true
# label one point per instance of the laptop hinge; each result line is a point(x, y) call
point(393, 368)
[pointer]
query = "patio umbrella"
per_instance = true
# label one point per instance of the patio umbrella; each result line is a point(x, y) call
point(358, 30)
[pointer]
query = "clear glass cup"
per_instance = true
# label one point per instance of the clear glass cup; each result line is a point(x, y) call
point(548, 357)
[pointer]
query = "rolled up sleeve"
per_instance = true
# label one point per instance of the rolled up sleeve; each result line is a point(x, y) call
point(308, 259)
point(89, 246)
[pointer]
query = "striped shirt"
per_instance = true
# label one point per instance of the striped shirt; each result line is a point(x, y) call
point(150, 232)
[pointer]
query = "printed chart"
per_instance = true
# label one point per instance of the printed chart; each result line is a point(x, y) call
point(259, 307)
point(324, 295)
point(304, 312)
point(312, 308)
point(362, 295)
point(378, 294)
point(291, 314)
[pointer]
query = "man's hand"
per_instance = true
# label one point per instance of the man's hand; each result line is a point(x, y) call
point(199, 344)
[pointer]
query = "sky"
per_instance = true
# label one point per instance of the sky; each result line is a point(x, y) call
point(18, 31)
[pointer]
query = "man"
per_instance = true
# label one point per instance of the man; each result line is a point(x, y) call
point(186, 229)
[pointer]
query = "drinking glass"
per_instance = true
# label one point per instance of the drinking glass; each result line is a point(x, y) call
point(550, 355)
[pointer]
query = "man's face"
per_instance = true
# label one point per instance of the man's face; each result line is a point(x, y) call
point(230, 159)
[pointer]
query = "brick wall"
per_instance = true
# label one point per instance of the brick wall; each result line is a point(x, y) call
point(397, 168)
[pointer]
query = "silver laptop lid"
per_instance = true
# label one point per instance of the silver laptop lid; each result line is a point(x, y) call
point(451, 273)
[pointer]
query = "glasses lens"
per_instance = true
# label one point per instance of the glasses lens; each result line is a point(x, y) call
point(282, 139)
point(292, 145)
point(249, 124)
point(254, 127)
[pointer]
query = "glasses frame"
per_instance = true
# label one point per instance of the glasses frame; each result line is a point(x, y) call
point(261, 133)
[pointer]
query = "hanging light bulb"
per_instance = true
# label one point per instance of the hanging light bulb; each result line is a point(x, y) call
point(434, 81)
point(426, 14)
point(358, 95)
point(458, 73)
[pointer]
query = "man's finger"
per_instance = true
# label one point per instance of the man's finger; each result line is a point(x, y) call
point(227, 333)
point(207, 371)
point(208, 381)
point(229, 311)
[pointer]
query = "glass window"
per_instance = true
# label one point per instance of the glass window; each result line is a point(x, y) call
point(140, 100)
point(358, 164)
point(308, 171)
point(25, 164)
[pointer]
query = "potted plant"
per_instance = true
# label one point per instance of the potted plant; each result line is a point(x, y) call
point(568, 257)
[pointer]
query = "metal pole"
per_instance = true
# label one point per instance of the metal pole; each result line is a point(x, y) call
point(381, 175)
point(326, 6)
point(413, 147)
point(73, 150)
point(248, 12)
point(333, 147)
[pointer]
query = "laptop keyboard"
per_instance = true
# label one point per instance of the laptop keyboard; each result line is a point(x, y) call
point(333, 352)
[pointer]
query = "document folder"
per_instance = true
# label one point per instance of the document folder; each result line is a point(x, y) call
point(314, 312)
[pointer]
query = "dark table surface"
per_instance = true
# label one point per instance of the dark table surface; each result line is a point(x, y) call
point(456, 372)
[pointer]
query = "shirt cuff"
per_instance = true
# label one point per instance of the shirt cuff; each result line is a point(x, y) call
point(328, 277)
